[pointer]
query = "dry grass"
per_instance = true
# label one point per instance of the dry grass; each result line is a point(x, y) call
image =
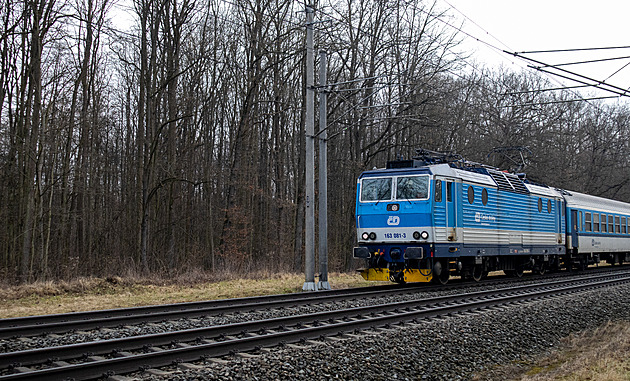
point(97, 293)
point(598, 355)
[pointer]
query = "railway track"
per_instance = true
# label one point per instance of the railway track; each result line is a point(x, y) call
point(62, 323)
point(93, 360)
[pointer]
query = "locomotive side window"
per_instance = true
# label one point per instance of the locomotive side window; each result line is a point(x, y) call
point(548, 206)
point(414, 187)
point(471, 194)
point(587, 217)
point(449, 191)
point(617, 226)
point(596, 222)
point(611, 225)
point(539, 205)
point(623, 225)
point(379, 189)
point(484, 197)
point(438, 190)
point(604, 230)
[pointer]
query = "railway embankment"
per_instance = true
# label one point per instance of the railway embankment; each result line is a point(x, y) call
point(506, 343)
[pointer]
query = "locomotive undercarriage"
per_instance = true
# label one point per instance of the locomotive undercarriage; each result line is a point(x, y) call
point(440, 270)
point(478, 268)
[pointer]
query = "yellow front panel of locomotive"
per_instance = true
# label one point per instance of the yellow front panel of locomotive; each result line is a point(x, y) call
point(415, 275)
point(380, 275)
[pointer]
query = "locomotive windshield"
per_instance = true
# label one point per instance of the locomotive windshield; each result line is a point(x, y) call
point(416, 187)
point(406, 188)
point(376, 189)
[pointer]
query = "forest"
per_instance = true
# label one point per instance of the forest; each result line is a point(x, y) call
point(176, 141)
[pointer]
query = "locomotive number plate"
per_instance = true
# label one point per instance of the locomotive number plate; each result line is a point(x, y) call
point(395, 235)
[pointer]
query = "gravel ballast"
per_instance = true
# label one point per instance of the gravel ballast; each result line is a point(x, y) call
point(11, 345)
point(451, 348)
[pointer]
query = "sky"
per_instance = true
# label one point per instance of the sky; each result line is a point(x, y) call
point(529, 25)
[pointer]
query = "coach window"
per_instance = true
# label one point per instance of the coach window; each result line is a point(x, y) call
point(539, 205)
point(611, 225)
point(617, 226)
point(484, 197)
point(471, 194)
point(604, 230)
point(581, 221)
point(596, 222)
point(438, 190)
point(587, 217)
point(623, 225)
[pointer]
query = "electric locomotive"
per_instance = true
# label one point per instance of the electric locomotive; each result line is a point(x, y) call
point(437, 215)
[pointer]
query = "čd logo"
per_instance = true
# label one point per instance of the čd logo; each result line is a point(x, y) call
point(393, 220)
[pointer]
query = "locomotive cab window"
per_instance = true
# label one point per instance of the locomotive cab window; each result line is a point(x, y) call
point(379, 189)
point(412, 187)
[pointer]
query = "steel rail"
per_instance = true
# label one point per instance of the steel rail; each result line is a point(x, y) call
point(362, 317)
point(62, 323)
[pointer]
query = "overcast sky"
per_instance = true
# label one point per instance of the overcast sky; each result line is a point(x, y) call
point(549, 24)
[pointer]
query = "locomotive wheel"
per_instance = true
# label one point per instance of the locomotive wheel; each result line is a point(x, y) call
point(477, 273)
point(441, 276)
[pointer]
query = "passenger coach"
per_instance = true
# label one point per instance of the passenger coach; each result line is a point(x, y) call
point(598, 230)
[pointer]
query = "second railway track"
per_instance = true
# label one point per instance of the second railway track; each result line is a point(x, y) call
point(141, 352)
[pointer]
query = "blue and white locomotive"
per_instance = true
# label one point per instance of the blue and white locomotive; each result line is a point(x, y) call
point(437, 216)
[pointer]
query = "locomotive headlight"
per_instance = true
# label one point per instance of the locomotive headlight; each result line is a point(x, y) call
point(416, 235)
point(395, 253)
point(372, 236)
point(365, 236)
point(424, 235)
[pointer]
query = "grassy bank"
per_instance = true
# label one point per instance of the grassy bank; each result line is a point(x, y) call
point(97, 293)
point(596, 355)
